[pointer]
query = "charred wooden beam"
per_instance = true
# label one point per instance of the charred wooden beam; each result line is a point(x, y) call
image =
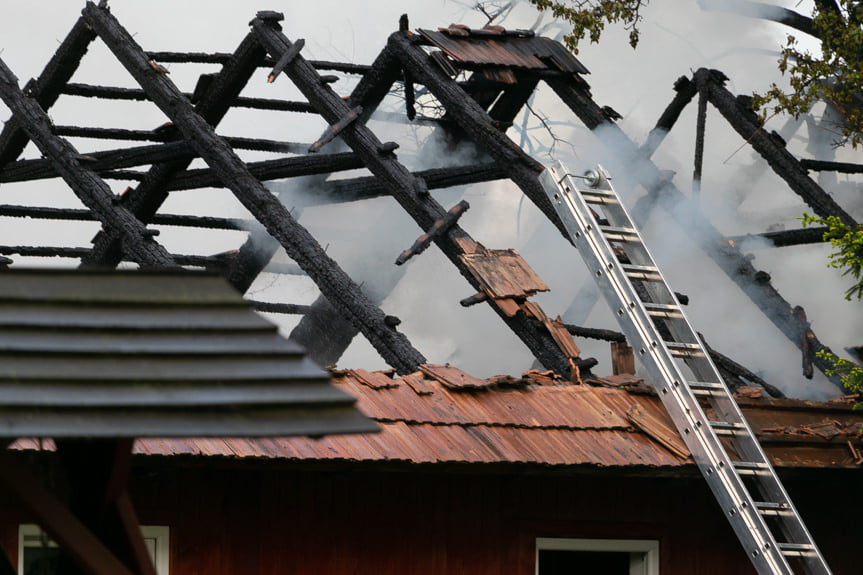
point(86, 184)
point(805, 341)
point(439, 228)
point(223, 58)
point(190, 221)
point(147, 197)
point(626, 156)
point(284, 308)
point(470, 117)
point(336, 129)
point(285, 59)
point(763, 11)
point(824, 166)
point(46, 89)
point(727, 364)
point(701, 123)
point(474, 299)
point(269, 170)
point(297, 241)
point(787, 237)
point(783, 163)
point(685, 90)
point(136, 94)
point(512, 100)
point(256, 144)
point(28, 170)
point(594, 333)
point(400, 182)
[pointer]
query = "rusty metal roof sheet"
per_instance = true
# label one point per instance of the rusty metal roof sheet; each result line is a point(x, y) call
point(513, 50)
point(530, 421)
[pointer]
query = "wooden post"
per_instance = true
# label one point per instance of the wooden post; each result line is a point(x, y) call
point(622, 358)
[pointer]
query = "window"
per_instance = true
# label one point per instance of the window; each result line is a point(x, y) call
point(37, 554)
point(596, 556)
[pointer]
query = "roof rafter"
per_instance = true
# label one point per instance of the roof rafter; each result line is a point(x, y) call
point(393, 346)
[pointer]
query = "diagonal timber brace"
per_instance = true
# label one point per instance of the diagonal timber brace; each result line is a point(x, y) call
point(297, 241)
point(424, 209)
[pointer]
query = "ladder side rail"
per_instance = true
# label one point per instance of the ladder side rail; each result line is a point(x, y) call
point(725, 408)
point(708, 452)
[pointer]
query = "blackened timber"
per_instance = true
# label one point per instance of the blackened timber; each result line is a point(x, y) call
point(87, 185)
point(48, 86)
point(285, 308)
point(257, 144)
point(474, 299)
point(470, 117)
point(764, 11)
point(285, 59)
point(787, 237)
point(223, 57)
point(135, 94)
point(727, 364)
point(685, 90)
point(270, 170)
point(376, 83)
point(783, 163)
point(626, 156)
point(825, 166)
point(512, 100)
point(336, 129)
point(701, 123)
point(28, 170)
point(439, 227)
point(594, 333)
point(339, 289)
point(148, 196)
point(191, 221)
point(425, 210)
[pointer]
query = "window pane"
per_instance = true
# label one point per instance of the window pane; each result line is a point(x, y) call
point(41, 560)
point(553, 562)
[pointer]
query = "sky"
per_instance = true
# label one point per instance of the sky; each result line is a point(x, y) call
point(677, 38)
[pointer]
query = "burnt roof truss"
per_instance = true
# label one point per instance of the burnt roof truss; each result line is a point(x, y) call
point(502, 69)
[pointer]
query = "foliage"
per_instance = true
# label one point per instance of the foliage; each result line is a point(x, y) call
point(848, 243)
point(849, 373)
point(589, 17)
point(835, 76)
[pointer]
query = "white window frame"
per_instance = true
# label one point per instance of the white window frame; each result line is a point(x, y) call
point(648, 547)
point(156, 537)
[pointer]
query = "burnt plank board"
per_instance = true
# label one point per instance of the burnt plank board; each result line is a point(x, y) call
point(87, 185)
point(424, 209)
point(393, 346)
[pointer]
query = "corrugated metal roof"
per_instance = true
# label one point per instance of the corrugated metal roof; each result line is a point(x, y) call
point(133, 354)
point(425, 420)
point(513, 50)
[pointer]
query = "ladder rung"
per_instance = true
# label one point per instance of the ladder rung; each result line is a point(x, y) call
point(667, 311)
point(796, 549)
point(678, 349)
point(706, 388)
point(642, 273)
point(773, 509)
point(600, 197)
point(613, 234)
point(751, 467)
point(726, 428)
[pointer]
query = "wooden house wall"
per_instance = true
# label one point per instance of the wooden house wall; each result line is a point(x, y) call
point(270, 520)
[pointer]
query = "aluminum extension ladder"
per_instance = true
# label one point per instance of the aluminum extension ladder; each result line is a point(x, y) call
point(741, 478)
